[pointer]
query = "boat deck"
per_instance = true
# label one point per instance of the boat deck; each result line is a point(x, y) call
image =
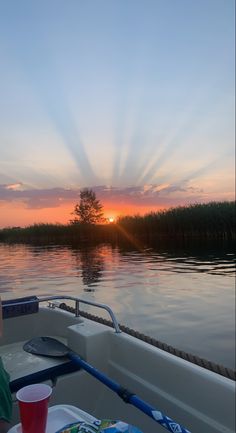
point(26, 369)
point(197, 398)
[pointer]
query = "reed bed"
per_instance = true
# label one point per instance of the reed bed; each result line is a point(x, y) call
point(214, 220)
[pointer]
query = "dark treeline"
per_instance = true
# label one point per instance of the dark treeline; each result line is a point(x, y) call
point(214, 220)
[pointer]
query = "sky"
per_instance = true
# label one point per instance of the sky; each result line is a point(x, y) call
point(134, 99)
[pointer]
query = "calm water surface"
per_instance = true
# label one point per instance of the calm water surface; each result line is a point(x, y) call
point(183, 297)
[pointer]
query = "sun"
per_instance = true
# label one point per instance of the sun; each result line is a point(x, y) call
point(110, 217)
point(111, 220)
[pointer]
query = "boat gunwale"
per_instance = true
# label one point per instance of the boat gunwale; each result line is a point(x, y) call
point(113, 323)
point(194, 359)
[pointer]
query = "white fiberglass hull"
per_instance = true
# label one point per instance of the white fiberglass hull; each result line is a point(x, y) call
point(201, 400)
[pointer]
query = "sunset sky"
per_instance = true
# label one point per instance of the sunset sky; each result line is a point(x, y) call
point(132, 98)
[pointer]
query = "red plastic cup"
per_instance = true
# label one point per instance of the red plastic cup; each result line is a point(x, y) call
point(33, 404)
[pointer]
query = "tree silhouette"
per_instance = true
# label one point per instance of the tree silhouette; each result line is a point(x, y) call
point(89, 210)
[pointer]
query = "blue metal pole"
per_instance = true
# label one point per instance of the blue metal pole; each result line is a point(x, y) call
point(128, 397)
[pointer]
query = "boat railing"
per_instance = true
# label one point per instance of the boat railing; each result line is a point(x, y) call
point(20, 306)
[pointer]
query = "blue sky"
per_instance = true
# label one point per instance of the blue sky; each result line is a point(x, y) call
point(133, 98)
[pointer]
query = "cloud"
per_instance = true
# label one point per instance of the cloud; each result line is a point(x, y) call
point(145, 195)
point(13, 186)
point(149, 194)
point(37, 198)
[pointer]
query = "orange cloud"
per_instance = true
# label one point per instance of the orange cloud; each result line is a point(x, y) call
point(13, 186)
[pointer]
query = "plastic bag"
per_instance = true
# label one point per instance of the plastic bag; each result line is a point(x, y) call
point(99, 426)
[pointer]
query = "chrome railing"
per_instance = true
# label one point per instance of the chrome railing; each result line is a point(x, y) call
point(50, 299)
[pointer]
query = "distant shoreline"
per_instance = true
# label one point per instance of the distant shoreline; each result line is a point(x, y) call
point(211, 221)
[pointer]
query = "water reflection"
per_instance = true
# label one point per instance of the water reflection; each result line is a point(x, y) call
point(90, 264)
point(213, 258)
point(184, 295)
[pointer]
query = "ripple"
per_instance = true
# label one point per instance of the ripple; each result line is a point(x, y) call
point(184, 298)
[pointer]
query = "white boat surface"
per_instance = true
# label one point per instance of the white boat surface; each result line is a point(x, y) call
point(201, 400)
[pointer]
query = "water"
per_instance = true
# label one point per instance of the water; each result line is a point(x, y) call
point(184, 297)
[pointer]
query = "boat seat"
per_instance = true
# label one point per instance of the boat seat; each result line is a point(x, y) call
point(26, 305)
point(26, 369)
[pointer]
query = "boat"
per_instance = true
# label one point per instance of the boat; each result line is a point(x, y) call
point(112, 373)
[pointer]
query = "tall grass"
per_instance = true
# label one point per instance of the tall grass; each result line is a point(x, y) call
point(214, 220)
point(56, 233)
